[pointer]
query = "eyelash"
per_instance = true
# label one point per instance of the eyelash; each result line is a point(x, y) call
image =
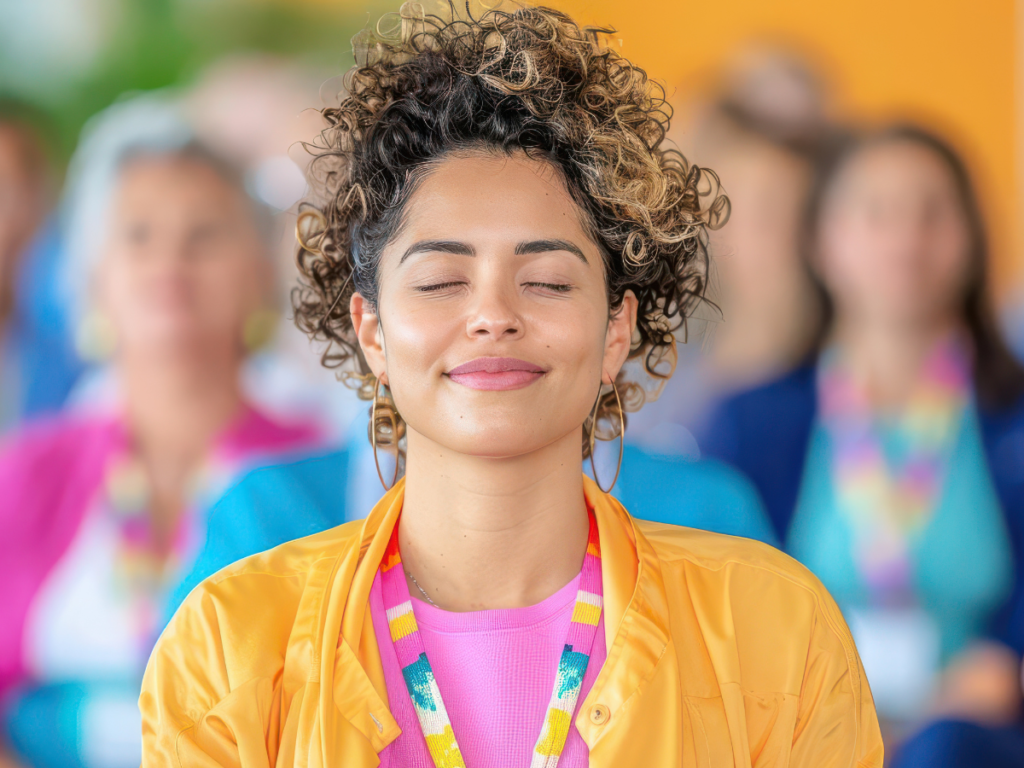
point(557, 287)
point(438, 286)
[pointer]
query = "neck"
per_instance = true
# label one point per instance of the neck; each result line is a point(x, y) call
point(175, 408)
point(889, 357)
point(481, 533)
point(764, 332)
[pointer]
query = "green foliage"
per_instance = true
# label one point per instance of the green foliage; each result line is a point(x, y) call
point(159, 43)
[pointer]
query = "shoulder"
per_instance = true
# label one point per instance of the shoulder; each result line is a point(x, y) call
point(269, 595)
point(764, 432)
point(766, 621)
point(277, 503)
point(750, 577)
point(1003, 430)
point(715, 551)
point(54, 436)
point(319, 474)
point(273, 506)
point(706, 494)
point(255, 433)
point(52, 458)
point(794, 391)
point(208, 652)
point(291, 560)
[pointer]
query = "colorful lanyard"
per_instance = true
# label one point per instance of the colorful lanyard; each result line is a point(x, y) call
point(888, 496)
point(145, 574)
point(419, 677)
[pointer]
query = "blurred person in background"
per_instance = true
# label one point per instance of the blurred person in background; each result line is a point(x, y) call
point(761, 130)
point(37, 363)
point(892, 465)
point(253, 108)
point(101, 509)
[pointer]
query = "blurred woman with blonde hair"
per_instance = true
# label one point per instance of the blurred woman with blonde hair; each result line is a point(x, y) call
point(101, 506)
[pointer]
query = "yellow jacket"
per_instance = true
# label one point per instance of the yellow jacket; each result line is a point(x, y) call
point(721, 652)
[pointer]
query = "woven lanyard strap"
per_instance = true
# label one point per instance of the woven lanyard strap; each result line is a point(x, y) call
point(422, 686)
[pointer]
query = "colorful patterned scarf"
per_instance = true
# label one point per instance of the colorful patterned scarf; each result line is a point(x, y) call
point(419, 677)
point(887, 496)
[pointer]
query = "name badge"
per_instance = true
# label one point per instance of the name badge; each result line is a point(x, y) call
point(900, 650)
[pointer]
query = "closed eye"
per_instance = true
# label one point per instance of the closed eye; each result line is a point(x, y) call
point(557, 287)
point(439, 286)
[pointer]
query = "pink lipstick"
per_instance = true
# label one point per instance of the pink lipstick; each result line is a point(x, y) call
point(496, 373)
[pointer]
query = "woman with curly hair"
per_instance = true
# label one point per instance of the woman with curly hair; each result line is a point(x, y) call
point(501, 253)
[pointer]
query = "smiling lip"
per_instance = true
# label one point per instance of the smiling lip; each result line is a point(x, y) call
point(496, 373)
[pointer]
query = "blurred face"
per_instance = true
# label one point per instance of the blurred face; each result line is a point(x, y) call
point(21, 198)
point(767, 187)
point(894, 239)
point(493, 330)
point(182, 268)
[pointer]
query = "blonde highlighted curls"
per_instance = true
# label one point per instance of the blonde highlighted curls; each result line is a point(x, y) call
point(524, 79)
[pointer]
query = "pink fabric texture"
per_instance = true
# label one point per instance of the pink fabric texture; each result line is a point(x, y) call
point(50, 473)
point(495, 670)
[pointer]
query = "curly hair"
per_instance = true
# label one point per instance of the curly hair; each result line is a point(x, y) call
point(531, 80)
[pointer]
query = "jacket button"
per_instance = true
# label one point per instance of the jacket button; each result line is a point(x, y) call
point(599, 715)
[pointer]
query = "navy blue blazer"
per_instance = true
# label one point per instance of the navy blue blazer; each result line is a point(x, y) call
point(765, 431)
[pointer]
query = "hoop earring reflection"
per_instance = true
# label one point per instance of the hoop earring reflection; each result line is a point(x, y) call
point(593, 434)
point(393, 419)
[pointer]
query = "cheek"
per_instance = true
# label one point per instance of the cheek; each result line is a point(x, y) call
point(119, 286)
point(416, 340)
point(224, 288)
point(580, 339)
point(950, 264)
point(852, 256)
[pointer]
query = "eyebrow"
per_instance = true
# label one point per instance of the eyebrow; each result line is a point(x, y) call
point(544, 246)
point(438, 246)
point(464, 249)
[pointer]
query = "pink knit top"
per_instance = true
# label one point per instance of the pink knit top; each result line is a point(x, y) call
point(495, 670)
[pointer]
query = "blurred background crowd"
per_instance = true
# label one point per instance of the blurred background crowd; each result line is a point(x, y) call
point(852, 393)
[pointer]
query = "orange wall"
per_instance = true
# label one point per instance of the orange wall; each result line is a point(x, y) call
point(948, 60)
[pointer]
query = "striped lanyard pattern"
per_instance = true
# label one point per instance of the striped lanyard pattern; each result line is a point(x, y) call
point(419, 677)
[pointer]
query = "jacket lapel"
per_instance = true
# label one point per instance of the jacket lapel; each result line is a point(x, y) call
point(636, 617)
point(637, 634)
point(352, 676)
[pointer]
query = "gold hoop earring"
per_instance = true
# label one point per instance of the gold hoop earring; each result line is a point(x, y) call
point(593, 434)
point(373, 437)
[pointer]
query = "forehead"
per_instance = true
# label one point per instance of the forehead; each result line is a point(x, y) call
point(486, 196)
point(904, 167)
point(171, 179)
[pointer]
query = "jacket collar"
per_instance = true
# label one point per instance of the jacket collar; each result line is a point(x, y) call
point(636, 624)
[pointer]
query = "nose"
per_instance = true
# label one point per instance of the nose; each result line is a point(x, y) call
point(494, 316)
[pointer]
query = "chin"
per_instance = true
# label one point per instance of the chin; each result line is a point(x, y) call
point(492, 439)
point(176, 342)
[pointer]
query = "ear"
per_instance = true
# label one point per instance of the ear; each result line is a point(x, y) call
point(618, 338)
point(366, 324)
